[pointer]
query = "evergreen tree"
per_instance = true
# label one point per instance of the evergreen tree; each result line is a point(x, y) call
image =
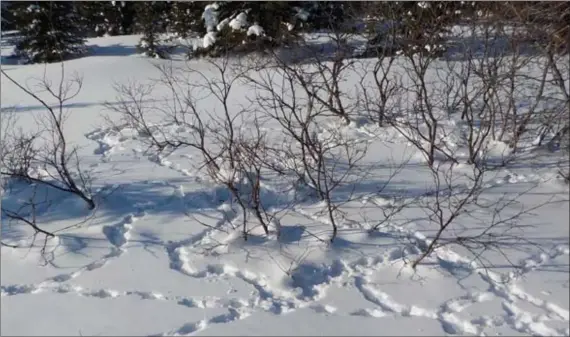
point(7, 11)
point(126, 12)
point(50, 31)
point(150, 21)
point(425, 24)
point(323, 14)
point(242, 26)
point(272, 16)
point(100, 17)
point(186, 18)
point(415, 27)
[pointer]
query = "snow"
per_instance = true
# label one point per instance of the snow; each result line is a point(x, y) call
point(255, 30)
point(210, 16)
point(239, 21)
point(423, 4)
point(209, 39)
point(302, 14)
point(160, 256)
point(222, 24)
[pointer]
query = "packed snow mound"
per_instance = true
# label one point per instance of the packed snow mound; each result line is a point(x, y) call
point(210, 17)
point(223, 24)
point(209, 39)
point(302, 14)
point(239, 21)
point(255, 30)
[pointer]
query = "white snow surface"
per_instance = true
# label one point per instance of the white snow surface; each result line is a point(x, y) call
point(239, 21)
point(302, 14)
point(222, 24)
point(209, 39)
point(210, 16)
point(255, 30)
point(158, 256)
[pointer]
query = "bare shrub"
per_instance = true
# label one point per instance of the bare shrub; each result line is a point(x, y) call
point(380, 95)
point(487, 80)
point(27, 214)
point(320, 158)
point(47, 150)
point(39, 159)
point(229, 155)
point(233, 142)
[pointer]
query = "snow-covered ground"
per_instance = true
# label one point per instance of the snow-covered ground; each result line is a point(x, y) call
point(157, 256)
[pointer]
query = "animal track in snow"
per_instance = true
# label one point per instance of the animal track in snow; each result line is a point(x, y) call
point(506, 289)
point(266, 298)
point(527, 323)
point(449, 321)
point(237, 312)
point(233, 314)
point(538, 260)
point(325, 309)
point(119, 234)
point(186, 329)
point(499, 287)
point(233, 304)
point(110, 138)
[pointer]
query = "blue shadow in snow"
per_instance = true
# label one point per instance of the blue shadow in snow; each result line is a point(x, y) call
point(112, 50)
point(9, 60)
point(308, 275)
point(78, 105)
point(291, 234)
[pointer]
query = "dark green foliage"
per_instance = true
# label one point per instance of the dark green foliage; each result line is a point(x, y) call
point(275, 18)
point(127, 15)
point(413, 27)
point(324, 14)
point(100, 17)
point(185, 17)
point(50, 31)
point(282, 22)
point(7, 11)
point(119, 16)
point(151, 21)
point(235, 42)
point(416, 24)
point(271, 15)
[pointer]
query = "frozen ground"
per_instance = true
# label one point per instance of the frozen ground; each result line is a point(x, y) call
point(145, 263)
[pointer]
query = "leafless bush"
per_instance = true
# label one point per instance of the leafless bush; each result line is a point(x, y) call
point(486, 87)
point(327, 63)
point(559, 121)
point(18, 147)
point(229, 155)
point(27, 213)
point(541, 41)
point(320, 158)
point(423, 123)
point(490, 84)
point(460, 195)
point(535, 36)
point(380, 97)
point(545, 23)
point(233, 142)
point(44, 156)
